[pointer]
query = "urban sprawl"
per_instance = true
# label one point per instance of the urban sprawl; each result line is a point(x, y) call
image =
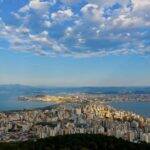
point(70, 115)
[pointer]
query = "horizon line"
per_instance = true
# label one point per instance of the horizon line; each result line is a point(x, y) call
point(66, 86)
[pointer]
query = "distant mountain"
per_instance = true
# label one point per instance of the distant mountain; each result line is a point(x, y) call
point(76, 142)
point(16, 88)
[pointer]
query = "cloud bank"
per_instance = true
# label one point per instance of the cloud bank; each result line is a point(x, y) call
point(73, 28)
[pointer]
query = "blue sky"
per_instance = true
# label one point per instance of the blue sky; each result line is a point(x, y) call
point(75, 43)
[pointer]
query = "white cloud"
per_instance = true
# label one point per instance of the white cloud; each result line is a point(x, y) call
point(23, 30)
point(38, 5)
point(127, 21)
point(69, 31)
point(98, 28)
point(16, 15)
point(141, 4)
point(62, 15)
point(44, 40)
point(20, 39)
point(46, 16)
point(108, 3)
point(47, 24)
point(81, 40)
point(24, 9)
point(92, 12)
point(132, 13)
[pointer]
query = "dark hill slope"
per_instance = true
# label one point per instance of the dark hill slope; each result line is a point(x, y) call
point(76, 142)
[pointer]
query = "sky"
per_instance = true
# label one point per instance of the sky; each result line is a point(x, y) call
point(75, 42)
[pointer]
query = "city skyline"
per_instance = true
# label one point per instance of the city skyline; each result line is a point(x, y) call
point(75, 43)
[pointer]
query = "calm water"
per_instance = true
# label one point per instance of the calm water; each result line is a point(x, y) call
point(142, 108)
point(11, 103)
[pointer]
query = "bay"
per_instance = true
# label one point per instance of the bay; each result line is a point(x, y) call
point(9, 97)
point(141, 108)
point(8, 103)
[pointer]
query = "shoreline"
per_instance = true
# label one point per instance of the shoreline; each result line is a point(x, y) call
point(56, 104)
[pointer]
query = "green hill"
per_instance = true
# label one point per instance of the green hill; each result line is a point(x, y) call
point(76, 142)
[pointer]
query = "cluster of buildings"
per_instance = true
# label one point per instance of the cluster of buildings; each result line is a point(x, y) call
point(74, 117)
point(124, 97)
point(85, 97)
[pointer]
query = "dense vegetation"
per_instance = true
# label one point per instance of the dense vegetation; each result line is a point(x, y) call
point(76, 142)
